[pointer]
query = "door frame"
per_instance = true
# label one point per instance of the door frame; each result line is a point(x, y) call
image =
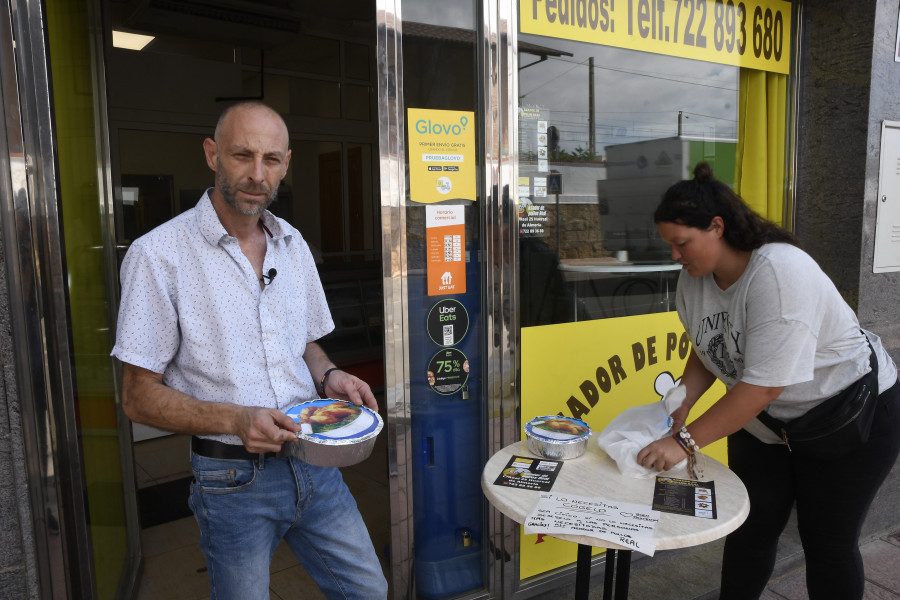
point(61, 564)
point(496, 117)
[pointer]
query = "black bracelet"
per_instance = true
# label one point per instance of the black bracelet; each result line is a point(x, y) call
point(325, 378)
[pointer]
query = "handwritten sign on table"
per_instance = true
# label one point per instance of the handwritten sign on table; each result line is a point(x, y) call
point(629, 525)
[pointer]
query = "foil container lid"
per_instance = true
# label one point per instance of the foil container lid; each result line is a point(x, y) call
point(556, 437)
point(556, 429)
point(333, 422)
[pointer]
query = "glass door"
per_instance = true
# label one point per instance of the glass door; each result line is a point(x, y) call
point(103, 434)
point(171, 69)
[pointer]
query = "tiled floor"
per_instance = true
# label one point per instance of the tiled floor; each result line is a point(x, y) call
point(174, 567)
point(881, 557)
point(162, 459)
point(693, 573)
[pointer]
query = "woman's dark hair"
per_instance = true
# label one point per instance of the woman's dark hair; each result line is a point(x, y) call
point(694, 203)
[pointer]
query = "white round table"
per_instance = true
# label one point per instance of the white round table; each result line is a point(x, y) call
point(595, 474)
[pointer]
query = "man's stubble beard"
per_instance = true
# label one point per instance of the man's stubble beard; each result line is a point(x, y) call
point(229, 193)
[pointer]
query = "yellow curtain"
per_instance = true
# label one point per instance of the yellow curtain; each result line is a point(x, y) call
point(759, 166)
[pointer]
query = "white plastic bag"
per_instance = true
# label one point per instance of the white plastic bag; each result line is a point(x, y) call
point(638, 426)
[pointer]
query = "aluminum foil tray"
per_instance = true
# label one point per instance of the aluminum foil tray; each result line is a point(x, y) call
point(335, 433)
point(556, 437)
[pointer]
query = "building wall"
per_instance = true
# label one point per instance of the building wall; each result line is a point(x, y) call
point(879, 305)
point(848, 84)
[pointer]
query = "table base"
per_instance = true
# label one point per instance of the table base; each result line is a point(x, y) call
point(615, 576)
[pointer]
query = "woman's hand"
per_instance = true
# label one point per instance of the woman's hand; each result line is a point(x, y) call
point(661, 455)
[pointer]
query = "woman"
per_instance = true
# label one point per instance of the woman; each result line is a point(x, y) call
point(766, 321)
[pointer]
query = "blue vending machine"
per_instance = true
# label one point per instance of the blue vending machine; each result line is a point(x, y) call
point(446, 422)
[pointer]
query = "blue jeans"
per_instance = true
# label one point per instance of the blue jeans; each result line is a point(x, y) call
point(832, 499)
point(245, 508)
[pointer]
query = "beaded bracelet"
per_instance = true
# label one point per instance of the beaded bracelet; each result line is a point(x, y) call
point(687, 442)
point(691, 448)
point(325, 378)
point(687, 449)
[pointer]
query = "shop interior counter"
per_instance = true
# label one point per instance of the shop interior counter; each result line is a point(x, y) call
point(609, 287)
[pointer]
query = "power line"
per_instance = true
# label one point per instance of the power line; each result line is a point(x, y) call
point(638, 73)
point(554, 79)
point(711, 117)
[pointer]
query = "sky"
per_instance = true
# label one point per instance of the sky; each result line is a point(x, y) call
point(454, 13)
point(637, 95)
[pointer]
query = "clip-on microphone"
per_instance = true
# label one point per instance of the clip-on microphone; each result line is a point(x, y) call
point(270, 276)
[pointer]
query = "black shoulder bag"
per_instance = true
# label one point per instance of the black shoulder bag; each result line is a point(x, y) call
point(838, 425)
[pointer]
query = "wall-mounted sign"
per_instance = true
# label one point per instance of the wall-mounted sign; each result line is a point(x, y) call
point(448, 322)
point(887, 215)
point(747, 33)
point(441, 155)
point(445, 230)
point(448, 371)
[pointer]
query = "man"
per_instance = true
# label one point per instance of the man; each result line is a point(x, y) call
point(220, 309)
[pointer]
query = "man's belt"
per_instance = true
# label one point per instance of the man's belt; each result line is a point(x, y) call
point(214, 449)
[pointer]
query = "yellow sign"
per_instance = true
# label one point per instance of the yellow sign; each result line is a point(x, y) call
point(441, 155)
point(750, 33)
point(594, 370)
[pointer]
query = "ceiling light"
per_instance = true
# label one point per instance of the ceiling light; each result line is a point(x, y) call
point(130, 41)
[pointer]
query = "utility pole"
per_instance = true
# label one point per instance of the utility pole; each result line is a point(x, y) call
point(591, 142)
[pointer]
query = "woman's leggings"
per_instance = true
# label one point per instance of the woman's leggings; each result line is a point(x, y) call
point(832, 499)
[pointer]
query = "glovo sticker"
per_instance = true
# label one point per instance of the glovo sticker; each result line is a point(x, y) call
point(441, 155)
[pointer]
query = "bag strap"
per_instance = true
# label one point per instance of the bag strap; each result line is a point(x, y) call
point(777, 425)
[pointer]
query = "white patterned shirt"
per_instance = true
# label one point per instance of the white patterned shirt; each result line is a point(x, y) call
point(192, 309)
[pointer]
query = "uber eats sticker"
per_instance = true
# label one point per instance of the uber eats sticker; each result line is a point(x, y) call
point(441, 155)
point(448, 322)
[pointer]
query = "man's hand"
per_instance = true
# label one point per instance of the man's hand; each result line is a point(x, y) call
point(344, 386)
point(339, 384)
point(265, 429)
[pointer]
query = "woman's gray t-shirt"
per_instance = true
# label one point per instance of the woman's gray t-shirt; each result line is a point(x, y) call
point(783, 323)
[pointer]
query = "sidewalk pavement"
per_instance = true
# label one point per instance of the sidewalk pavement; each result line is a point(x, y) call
point(693, 573)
